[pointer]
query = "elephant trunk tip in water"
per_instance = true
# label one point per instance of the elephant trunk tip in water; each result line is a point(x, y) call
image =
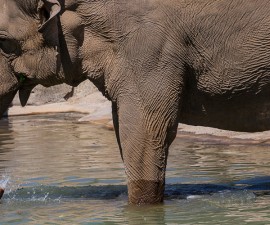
point(2, 190)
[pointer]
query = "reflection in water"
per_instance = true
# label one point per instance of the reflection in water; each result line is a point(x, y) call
point(62, 171)
point(6, 140)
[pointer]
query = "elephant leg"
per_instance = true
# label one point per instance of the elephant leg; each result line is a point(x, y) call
point(145, 133)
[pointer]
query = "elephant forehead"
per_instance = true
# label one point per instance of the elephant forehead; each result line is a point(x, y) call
point(12, 20)
point(4, 6)
point(9, 9)
point(3, 15)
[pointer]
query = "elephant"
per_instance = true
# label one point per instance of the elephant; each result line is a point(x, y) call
point(160, 63)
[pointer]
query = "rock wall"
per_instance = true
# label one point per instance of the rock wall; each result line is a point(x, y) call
point(84, 99)
point(59, 93)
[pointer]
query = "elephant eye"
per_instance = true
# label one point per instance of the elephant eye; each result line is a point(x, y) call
point(8, 46)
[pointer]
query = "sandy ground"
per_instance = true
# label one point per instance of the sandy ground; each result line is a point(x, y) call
point(97, 109)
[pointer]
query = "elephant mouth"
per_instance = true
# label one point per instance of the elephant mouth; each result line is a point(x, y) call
point(25, 87)
point(10, 85)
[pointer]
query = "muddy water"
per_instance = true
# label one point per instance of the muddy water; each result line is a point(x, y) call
point(59, 171)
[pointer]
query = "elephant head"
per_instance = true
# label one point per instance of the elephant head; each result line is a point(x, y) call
point(31, 49)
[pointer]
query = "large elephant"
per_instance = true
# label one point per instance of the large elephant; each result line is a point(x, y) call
point(158, 61)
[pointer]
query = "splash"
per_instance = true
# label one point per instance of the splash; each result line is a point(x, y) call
point(4, 182)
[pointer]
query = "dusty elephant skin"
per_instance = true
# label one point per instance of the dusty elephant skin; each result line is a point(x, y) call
point(158, 61)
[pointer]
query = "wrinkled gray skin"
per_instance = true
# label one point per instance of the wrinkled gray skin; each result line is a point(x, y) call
point(158, 61)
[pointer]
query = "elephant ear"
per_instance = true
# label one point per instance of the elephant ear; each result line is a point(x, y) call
point(49, 11)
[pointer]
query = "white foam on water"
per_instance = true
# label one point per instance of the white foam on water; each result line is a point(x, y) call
point(194, 197)
point(224, 198)
point(4, 181)
point(12, 192)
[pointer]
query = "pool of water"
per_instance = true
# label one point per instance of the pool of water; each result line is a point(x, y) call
point(60, 171)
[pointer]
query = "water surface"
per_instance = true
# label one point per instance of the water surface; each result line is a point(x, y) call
point(60, 171)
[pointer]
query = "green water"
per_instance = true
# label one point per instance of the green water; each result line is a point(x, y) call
point(60, 171)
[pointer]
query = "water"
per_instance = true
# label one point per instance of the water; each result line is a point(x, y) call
point(59, 171)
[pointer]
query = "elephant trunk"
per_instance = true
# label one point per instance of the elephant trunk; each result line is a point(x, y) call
point(9, 85)
point(5, 101)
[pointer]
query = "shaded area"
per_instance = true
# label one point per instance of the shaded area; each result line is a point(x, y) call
point(259, 186)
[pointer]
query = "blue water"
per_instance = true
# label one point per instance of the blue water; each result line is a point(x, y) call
point(60, 171)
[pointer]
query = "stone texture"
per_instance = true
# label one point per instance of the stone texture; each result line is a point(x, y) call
point(85, 99)
point(59, 93)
